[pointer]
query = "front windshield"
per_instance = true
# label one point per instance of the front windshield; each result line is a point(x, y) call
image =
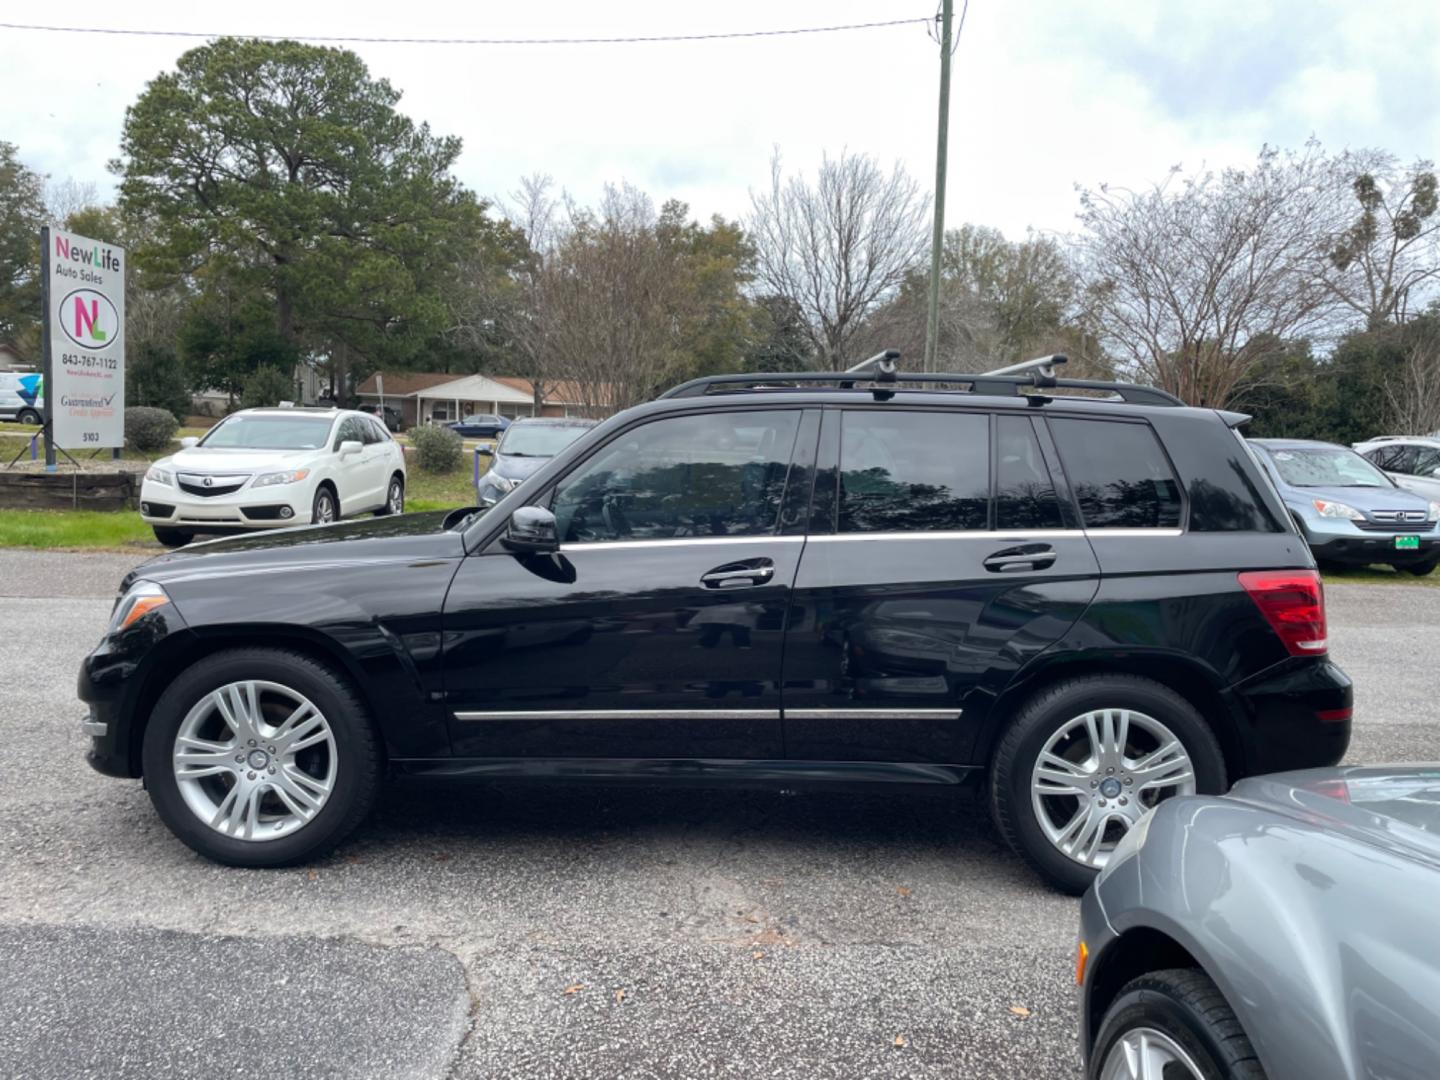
point(1325, 466)
point(241, 432)
point(539, 440)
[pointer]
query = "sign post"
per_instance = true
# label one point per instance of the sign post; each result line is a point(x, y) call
point(83, 340)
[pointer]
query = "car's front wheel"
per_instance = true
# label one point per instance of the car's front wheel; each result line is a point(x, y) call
point(394, 497)
point(1421, 569)
point(1084, 760)
point(326, 508)
point(27, 416)
point(173, 537)
point(1173, 1024)
point(260, 757)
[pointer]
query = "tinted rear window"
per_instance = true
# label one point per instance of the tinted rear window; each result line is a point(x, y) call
point(1119, 474)
point(1024, 496)
point(912, 471)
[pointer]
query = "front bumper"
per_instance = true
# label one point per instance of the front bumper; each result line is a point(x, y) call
point(112, 684)
point(1295, 715)
point(278, 506)
point(1345, 542)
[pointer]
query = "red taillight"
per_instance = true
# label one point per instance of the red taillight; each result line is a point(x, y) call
point(1334, 716)
point(1293, 603)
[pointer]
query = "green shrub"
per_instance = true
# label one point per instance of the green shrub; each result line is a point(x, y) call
point(149, 429)
point(437, 449)
point(266, 387)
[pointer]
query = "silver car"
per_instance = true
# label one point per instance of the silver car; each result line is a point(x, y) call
point(1412, 461)
point(1288, 929)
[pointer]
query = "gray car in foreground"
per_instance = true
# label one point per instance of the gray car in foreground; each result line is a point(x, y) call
point(1288, 929)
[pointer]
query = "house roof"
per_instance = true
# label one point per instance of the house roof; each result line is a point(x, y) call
point(476, 388)
point(404, 383)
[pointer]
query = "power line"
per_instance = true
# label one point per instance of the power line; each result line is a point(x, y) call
point(721, 36)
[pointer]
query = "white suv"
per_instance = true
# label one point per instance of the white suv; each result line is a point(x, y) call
point(269, 468)
point(1412, 461)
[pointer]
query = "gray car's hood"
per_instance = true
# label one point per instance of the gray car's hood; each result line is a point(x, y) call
point(1392, 806)
point(516, 467)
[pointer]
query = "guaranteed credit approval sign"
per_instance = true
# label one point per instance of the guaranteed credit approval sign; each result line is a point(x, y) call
point(86, 386)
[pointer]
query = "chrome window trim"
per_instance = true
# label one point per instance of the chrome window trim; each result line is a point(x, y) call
point(693, 541)
point(1103, 533)
point(965, 534)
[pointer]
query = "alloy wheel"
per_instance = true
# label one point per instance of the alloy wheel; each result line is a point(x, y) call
point(1146, 1053)
point(1098, 775)
point(255, 760)
point(324, 508)
point(397, 497)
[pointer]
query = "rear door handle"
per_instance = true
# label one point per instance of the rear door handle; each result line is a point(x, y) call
point(733, 575)
point(1023, 557)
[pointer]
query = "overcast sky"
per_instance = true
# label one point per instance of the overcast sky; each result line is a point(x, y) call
point(1047, 93)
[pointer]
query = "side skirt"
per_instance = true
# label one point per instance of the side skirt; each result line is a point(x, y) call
point(690, 770)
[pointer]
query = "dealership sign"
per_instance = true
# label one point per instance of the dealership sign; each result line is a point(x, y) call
point(85, 390)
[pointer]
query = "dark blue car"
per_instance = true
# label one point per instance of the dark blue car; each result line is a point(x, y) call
point(480, 426)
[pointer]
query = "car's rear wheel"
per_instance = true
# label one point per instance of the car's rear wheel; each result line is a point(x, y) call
point(394, 497)
point(260, 757)
point(173, 537)
point(1174, 1025)
point(1085, 759)
point(326, 508)
point(27, 416)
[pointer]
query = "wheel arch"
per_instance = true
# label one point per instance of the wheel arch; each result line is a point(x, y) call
point(187, 650)
point(1185, 676)
point(1136, 952)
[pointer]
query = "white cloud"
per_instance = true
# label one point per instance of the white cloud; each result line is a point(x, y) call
point(1046, 92)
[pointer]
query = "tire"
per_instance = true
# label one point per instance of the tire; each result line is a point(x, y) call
point(394, 497)
point(1060, 717)
point(348, 761)
point(173, 538)
point(27, 416)
point(1421, 569)
point(1186, 1009)
point(325, 510)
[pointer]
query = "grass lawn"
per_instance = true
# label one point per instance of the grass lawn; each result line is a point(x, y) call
point(117, 529)
point(1381, 575)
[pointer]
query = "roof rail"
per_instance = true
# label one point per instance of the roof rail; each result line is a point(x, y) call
point(887, 381)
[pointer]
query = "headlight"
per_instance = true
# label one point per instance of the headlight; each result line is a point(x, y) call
point(1434, 512)
point(504, 483)
point(291, 477)
point(1327, 509)
point(141, 598)
point(158, 476)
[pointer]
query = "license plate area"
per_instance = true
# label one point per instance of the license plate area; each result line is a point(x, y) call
point(1407, 543)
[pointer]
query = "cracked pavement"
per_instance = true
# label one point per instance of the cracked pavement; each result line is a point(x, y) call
point(699, 933)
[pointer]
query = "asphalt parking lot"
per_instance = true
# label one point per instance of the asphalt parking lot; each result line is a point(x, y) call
point(552, 932)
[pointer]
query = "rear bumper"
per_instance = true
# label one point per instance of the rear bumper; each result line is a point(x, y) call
point(1295, 715)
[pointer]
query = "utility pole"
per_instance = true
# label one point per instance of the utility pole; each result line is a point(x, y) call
point(932, 322)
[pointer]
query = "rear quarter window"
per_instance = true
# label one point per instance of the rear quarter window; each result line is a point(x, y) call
point(1119, 474)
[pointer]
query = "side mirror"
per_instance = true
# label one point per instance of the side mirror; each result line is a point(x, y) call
point(190, 440)
point(351, 446)
point(485, 450)
point(532, 531)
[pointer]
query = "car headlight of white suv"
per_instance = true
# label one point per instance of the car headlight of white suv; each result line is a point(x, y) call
point(159, 476)
point(290, 476)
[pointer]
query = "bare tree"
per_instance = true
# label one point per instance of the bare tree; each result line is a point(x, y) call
point(1196, 280)
point(1412, 398)
point(1385, 252)
point(840, 249)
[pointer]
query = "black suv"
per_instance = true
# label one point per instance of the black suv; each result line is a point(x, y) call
point(1079, 604)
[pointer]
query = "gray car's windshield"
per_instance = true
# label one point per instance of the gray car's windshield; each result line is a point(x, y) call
point(1324, 466)
point(242, 432)
point(539, 440)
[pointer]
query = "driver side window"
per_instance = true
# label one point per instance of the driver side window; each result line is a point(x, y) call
point(717, 474)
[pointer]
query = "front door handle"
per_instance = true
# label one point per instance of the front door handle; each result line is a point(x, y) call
point(1023, 557)
point(733, 575)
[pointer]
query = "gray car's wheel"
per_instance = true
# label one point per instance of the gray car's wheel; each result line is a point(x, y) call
point(394, 497)
point(260, 757)
point(1084, 760)
point(27, 416)
point(326, 507)
point(1172, 1025)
